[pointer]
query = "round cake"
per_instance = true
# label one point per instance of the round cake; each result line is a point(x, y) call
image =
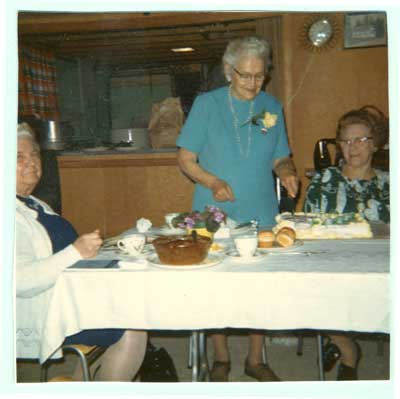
point(266, 239)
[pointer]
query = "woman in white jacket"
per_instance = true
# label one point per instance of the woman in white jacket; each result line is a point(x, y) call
point(46, 244)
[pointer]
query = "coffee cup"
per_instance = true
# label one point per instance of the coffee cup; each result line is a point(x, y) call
point(168, 218)
point(132, 244)
point(246, 245)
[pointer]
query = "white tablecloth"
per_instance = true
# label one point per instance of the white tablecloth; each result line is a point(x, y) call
point(338, 285)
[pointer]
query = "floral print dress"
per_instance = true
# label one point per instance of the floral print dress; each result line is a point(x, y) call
point(330, 191)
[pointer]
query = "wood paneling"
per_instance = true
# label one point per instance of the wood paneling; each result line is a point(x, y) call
point(111, 192)
point(320, 87)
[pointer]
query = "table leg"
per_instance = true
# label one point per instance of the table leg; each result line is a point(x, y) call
point(195, 356)
point(204, 372)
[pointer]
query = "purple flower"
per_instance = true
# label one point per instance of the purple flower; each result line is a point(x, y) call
point(219, 216)
point(189, 222)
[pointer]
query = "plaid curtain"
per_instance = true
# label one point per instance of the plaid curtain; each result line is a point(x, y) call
point(37, 84)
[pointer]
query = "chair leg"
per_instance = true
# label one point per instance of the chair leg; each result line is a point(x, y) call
point(380, 346)
point(43, 371)
point(320, 344)
point(82, 358)
point(300, 344)
point(190, 352)
point(264, 351)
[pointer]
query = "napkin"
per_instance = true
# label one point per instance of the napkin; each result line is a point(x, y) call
point(143, 225)
point(138, 264)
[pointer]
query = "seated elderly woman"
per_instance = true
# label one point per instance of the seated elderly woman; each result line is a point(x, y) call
point(354, 187)
point(46, 244)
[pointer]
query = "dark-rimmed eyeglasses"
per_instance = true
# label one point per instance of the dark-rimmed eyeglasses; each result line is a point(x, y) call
point(247, 77)
point(356, 141)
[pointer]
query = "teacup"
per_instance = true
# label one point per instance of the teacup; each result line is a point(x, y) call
point(132, 244)
point(246, 245)
point(168, 218)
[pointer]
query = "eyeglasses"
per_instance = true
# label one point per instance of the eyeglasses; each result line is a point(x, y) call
point(359, 141)
point(247, 77)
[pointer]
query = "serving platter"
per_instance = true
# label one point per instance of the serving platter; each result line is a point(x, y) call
point(296, 244)
point(211, 260)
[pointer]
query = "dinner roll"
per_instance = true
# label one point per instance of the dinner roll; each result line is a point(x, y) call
point(266, 239)
point(288, 230)
point(284, 238)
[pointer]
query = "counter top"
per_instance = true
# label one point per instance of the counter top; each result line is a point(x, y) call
point(117, 150)
point(118, 158)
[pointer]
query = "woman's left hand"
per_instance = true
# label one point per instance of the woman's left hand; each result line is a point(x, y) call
point(291, 184)
point(284, 168)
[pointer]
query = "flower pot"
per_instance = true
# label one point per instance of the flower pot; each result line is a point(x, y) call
point(201, 231)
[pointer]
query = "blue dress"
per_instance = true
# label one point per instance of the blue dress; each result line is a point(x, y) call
point(62, 234)
point(209, 132)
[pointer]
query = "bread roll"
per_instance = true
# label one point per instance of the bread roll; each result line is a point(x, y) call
point(289, 231)
point(284, 239)
point(266, 239)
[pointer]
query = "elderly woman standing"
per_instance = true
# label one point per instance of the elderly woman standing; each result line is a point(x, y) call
point(354, 187)
point(232, 141)
point(46, 244)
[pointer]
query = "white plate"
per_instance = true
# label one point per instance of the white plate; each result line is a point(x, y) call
point(296, 244)
point(234, 255)
point(209, 261)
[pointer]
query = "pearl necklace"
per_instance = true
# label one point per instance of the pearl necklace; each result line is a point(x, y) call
point(237, 123)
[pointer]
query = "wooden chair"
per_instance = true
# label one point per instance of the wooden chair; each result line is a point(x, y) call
point(87, 355)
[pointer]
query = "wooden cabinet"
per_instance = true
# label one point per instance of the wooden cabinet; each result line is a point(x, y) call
point(111, 192)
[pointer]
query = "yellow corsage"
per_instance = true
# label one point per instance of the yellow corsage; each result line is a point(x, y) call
point(267, 119)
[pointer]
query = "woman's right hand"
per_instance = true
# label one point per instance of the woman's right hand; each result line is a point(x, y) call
point(88, 244)
point(222, 191)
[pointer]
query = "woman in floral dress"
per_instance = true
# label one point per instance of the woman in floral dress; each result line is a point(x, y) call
point(354, 187)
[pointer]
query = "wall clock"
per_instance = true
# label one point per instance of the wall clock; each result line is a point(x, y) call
point(319, 32)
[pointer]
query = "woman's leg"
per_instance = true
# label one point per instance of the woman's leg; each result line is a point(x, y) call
point(222, 364)
point(254, 365)
point(122, 360)
point(256, 345)
point(221, 350)
point(347, 348)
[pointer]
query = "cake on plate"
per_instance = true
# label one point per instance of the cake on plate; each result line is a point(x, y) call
point(324, 225)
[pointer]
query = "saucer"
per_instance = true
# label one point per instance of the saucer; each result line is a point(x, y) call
point(234, 255)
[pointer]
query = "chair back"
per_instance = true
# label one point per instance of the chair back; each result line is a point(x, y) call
point(322, 154)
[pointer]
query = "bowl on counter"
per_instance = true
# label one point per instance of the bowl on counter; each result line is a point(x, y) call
point(182, 250)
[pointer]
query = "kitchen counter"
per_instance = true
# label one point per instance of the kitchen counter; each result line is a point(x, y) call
point(116, 150)
point(112, 190)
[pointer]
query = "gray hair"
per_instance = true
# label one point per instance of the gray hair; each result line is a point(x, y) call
point(25, 131)
point(249, 46)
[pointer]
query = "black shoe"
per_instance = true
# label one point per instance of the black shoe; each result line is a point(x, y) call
point(330, 355)
point(347, 373)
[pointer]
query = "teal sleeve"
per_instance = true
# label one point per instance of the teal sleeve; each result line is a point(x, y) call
point(194, 132)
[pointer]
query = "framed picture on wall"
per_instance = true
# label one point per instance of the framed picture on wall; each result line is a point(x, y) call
point(365, 29)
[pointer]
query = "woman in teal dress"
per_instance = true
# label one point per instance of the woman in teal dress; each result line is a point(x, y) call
point(354, 187)
point(233, 140)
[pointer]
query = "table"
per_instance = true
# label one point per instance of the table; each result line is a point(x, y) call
point(323, 284)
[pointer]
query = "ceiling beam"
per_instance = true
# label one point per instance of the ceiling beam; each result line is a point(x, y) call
point(52, 22)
